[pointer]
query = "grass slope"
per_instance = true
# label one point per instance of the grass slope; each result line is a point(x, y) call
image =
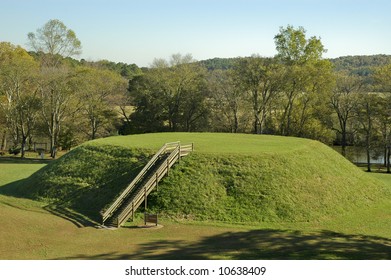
point(84, 180)
point(231, 178)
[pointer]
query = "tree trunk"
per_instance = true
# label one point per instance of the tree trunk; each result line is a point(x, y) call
point(368, 160)
point(4, 140)
point(52, 147)
point(236, 123)
point(256, 125)
point(343, 143)
point(289, 119)
point(23, 148)
point(94, 127)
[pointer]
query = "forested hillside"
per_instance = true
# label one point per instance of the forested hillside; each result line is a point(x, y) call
point(357, 64)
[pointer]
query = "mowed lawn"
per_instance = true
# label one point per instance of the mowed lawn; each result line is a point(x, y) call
point(29, 231)
point(214, 143)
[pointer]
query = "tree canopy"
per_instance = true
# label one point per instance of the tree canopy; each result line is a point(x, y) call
point(48, 95)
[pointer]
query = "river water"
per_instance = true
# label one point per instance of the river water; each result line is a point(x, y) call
point(359, 155)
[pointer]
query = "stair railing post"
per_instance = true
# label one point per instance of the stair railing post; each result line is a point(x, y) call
point(132, 211)
point(157, 181)
point(145, 199)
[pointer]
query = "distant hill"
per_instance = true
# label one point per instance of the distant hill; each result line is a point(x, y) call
point(359, 64)
point(219, 63)
point(127, 71)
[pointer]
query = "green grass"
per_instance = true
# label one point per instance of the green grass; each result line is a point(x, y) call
point(211, 143)
point(85, 180)
point(30, 232)
point(13, 170)
point(305, 201)
point(229, 177)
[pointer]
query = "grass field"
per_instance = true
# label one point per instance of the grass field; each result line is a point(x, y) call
point(32, 230)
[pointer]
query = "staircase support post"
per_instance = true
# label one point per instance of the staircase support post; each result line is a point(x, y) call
point(132, 211)
point(145, 199)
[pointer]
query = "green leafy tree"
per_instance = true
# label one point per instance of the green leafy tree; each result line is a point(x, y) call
point(294, 48)
point(261, 79)
point(384, 119)
point(367, 110)
point(382, 77)
point(53, 42)
point(171, 92)
point(59, 103)
point(382, 80)
point(229, 102)
point(20, 102)
point(300, 56)
point(344, 101)
point(149, 111)
point(99, 92)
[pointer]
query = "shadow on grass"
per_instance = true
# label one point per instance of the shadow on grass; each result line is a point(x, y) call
point(72, 216)
point(18, 160)
point(262, 244)
point(16, 189)
point(82, 184)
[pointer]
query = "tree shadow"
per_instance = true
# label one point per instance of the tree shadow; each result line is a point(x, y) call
point(262, 244)
point(16, 189)
point(18, 160)
point(77, 219)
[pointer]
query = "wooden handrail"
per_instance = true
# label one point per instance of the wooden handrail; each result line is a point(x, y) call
point(149, 185)
point(117, 203)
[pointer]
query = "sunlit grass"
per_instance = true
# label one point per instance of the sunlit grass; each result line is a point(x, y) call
point(347, 230)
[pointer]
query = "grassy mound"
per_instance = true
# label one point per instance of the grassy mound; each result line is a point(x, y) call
point(235, 178)
point(86, 179)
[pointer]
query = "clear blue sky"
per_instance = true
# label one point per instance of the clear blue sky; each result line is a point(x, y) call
point(137, 31)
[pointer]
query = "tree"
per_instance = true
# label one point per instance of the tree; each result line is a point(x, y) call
point(344, 101)
point(18, 86)
point(384, 119)
point(171, 92)
point(99, 92)
point(55, 41)
point(309, 105)
point(261, 78)
point(367, 114)
point(294, 48)
point(183, 88)
point(298, 54)
point(58, 102)
point(228, 100)
point(382, 79)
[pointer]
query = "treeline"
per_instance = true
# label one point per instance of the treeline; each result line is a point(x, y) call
point(45, 94)
point(361, 65)
point(47, 97)
point(296, 93)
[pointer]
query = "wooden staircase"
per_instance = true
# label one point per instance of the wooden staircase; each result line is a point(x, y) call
point(138, 190)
